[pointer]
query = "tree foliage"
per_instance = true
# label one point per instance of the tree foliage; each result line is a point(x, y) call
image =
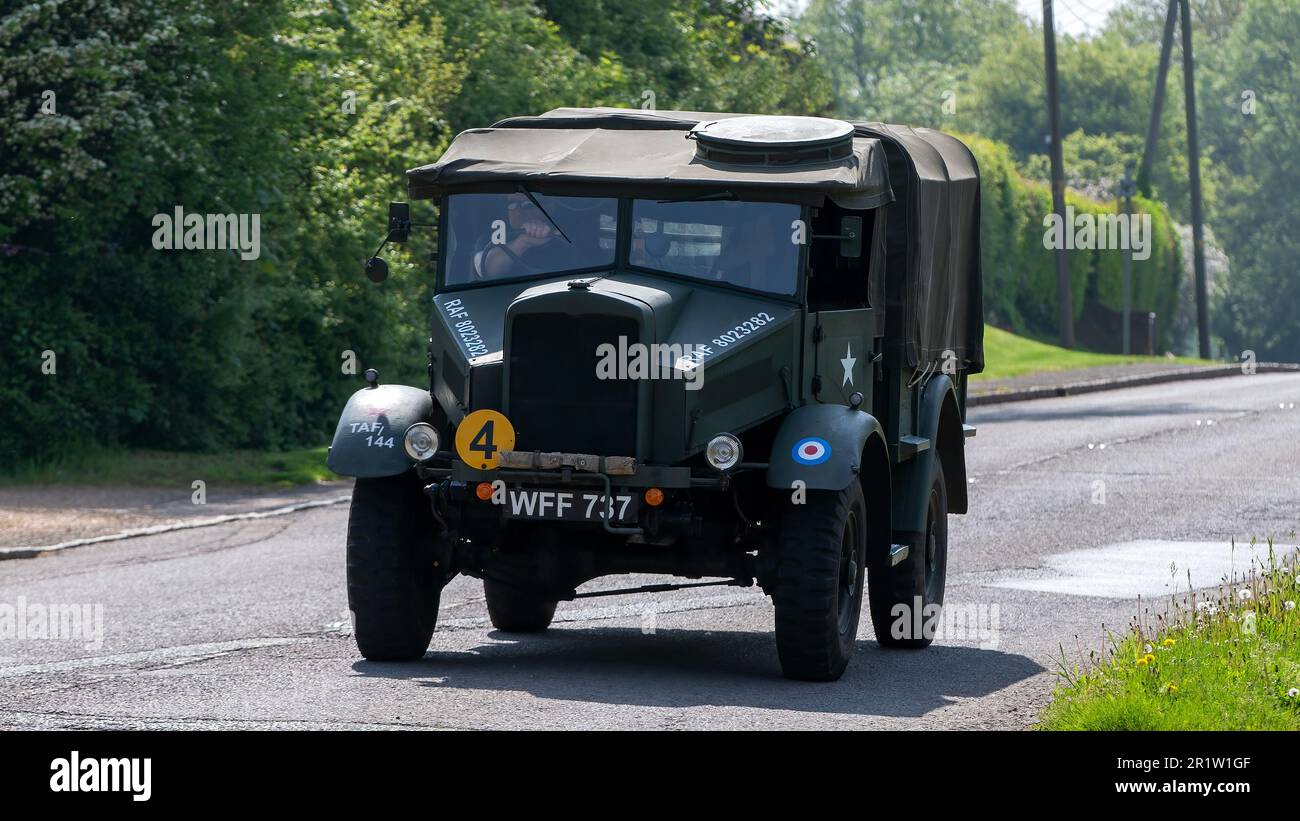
point(904, 61)
point(1019, 271)
point(1251, 100)
point(306, 113)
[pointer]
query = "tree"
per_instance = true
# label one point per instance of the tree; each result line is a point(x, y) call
point(1253, 138)
point(903, 60)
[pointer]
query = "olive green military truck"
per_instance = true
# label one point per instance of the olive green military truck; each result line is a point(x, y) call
point(731, 349)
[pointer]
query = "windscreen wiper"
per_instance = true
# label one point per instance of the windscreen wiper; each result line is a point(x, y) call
point(554, 224)
point(707, 196)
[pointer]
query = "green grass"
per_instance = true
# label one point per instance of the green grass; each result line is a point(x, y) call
point(152, 468)
point(1006, 355)
point(1229, 661)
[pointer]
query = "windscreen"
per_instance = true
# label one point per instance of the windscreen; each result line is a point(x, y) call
point(746, 244)
point(493, 237)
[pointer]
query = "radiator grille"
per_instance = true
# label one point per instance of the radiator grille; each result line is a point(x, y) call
point(556, 401)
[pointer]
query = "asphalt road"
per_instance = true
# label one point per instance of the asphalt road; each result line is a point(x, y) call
point(1078, 504)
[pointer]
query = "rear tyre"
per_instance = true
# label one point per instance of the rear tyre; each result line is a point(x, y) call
point(516, 611)
point(819, 582)
point(393, 582)
point(895, 591)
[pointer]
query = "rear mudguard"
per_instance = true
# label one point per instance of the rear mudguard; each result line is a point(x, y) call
point(822, 446)
point(368, 440)
point(939, 422)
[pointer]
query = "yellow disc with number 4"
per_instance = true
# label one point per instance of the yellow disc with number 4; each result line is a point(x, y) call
point(481, 436)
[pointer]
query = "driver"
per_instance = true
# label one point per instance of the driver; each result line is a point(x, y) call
point(527, 231)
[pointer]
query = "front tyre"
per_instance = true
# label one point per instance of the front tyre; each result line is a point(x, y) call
point(907, 598)
point(394, 582)
point(820, 575)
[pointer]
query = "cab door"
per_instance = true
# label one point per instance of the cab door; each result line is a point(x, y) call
point(844, 355)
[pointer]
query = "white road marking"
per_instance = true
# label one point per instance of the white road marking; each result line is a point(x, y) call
point(170, 656)
point(207, 521)
point(752, 597)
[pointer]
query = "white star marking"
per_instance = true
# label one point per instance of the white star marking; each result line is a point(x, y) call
point(848, 362)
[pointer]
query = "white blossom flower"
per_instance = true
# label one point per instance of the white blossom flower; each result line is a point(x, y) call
point(1293, 693)
point(1288, 604)
point(1245, 594)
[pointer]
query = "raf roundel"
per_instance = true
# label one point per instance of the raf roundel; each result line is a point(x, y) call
point(812, 450)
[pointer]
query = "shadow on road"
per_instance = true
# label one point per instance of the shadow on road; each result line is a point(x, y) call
point(691, 668)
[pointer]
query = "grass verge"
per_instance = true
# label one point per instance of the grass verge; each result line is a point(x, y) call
point(1226, 660)
point(154, 468)
point(1009, 355)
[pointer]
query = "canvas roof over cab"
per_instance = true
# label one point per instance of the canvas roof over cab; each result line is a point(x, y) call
point(927, 181)
point(648, 152)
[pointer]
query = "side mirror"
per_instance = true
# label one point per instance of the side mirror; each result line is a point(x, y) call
point(376, 269)
point(851, 237)
point(399, 221)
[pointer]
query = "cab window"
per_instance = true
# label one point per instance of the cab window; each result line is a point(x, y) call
point(751, 245)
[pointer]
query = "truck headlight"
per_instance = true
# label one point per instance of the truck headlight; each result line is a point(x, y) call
point(421, 441)
point(723, 451)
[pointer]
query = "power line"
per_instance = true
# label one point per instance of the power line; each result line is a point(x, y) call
point(1088, 27)
point(1091, 9)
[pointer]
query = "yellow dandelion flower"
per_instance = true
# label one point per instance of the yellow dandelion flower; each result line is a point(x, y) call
point(1150, 658)
point(1142, 661)
point(1168, 643)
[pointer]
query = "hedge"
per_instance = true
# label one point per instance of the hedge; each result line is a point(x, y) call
point(1020, 273)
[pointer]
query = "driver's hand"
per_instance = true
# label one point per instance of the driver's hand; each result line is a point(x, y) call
point(533, 234)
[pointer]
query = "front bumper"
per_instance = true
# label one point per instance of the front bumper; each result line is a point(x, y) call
point(607, 475)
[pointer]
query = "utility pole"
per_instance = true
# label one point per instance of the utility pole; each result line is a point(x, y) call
point(1064, 294)
point(1127, 188)
point(1158, 104)
point(1194, 172)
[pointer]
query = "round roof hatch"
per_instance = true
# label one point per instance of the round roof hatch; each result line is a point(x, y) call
point(773, 140)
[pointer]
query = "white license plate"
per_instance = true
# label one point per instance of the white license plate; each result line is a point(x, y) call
point(570, 505)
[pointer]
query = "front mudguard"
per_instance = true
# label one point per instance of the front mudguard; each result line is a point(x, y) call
point(368, 440)
point(841, 430)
